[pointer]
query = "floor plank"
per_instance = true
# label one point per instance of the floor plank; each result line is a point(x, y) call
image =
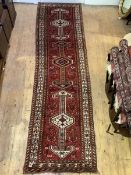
point(103, 30)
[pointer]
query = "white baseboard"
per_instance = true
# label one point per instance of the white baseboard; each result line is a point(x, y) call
point(88, 2)
point(50, 1)
point(102, 2)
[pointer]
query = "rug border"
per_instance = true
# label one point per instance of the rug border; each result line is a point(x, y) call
point(94, 160)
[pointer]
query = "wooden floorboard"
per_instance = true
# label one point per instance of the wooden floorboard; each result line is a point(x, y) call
point(103, 30)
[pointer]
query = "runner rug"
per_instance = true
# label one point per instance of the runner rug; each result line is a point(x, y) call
point(61, 133)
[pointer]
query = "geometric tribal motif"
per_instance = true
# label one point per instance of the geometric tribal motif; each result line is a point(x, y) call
point(61, 132)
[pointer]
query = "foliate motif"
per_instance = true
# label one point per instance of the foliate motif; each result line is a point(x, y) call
point(61, 135)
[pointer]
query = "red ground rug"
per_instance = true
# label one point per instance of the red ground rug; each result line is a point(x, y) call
point(61, 132)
